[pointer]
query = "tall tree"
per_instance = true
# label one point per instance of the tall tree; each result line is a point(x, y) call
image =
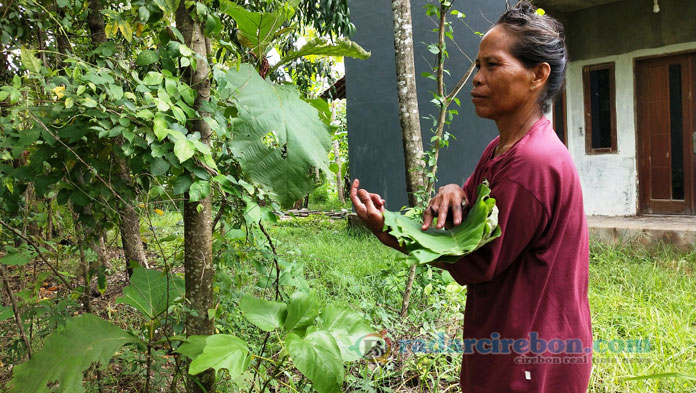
point(408, 113)
point(198, 245)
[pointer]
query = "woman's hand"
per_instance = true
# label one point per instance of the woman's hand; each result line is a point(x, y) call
point(368, 206)
point(449, 198)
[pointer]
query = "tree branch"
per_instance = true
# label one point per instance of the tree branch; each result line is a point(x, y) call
point(38, 251)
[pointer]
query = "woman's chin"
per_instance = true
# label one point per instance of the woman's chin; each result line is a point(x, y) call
point(483, 113)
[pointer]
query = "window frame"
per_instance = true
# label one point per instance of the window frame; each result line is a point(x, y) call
point(588, 107)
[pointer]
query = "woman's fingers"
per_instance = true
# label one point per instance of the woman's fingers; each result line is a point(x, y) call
point(448, 200)
point(428, 216)
point(368, 206)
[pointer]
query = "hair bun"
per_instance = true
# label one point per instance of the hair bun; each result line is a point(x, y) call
point(525, 7)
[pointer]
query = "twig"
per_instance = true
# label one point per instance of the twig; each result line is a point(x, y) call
point(38, 250)
point(7, 9)
point(15, 310)
point(441, 120)
point(258, 362)
point(220, 212)
point(275, 261)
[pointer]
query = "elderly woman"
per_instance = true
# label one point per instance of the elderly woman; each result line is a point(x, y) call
point(527, 318)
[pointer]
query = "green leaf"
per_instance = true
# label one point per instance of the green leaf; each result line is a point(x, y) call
point(5, 313)
point(29, 60)
point(69, 102)
point(478, 228)
point(159, 166)
point(324, 47)
point(317, 357)
point(302, 310)
point(220, 351)
point(349, 330)
point(187, 93)
point(148, 294)
point(302, 139)
point(147, 57)
point(256, 30)
point(153, 78)
point(67, 353)
point(3, 95)
point(116, 92)
point(160, 127)
point(17, 258)
point(265, 314)
point(182, 184)
point(662, 376)
point(199, 190)
point(183, 149)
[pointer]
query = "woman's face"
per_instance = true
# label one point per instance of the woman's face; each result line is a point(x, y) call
point(502, 85)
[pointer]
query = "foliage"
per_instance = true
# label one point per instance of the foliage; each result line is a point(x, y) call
point(67, 353)
point(279, 139)
point(478, 228)
point(318, 346)
point(151, 292)
point(219, 351)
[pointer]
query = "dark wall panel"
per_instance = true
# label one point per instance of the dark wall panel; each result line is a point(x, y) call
point(374, 133)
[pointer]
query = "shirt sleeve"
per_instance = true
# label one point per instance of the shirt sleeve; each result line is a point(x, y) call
point(522, 219)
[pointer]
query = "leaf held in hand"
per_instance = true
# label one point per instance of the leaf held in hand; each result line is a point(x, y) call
point(479, 227)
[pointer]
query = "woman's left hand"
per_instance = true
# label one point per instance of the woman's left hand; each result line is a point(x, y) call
point(449, 199)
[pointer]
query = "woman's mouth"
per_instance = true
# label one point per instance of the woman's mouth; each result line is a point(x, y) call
point(476, 97)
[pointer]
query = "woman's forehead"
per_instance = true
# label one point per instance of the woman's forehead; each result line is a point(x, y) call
point(496, 42)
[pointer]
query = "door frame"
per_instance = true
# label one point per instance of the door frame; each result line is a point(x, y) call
point(642, 164)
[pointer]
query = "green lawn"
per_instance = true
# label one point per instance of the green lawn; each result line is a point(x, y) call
point(634, 294)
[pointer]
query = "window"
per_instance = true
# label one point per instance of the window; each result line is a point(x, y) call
point(600, 108)
point(559, 116)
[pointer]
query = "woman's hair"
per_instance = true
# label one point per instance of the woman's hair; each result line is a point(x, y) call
point(538, 38)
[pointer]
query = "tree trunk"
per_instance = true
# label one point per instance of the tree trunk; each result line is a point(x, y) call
point(408, 100)
point(408, 113)
point(129, 221)
point(95, 22)
point(339, 178)
point(198, 251)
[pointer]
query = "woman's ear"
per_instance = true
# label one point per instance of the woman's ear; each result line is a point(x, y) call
point(540, 75)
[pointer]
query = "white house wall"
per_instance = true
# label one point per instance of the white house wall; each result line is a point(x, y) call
point(609, 181)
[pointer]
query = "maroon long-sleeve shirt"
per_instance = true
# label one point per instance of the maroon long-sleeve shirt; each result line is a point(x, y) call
point(531, 283)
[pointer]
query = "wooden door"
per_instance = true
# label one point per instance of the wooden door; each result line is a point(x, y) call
point(666, 115)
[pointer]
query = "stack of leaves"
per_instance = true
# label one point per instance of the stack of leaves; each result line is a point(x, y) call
point(447, 245)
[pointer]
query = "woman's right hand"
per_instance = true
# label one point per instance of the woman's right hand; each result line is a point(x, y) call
point(369, 207)
point(449, 198)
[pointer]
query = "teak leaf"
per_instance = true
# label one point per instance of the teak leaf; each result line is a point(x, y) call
point(284, 164)
point(317, 357)
point(67, 353)
point(219, 351)
point(479, 228)
point(147, 291)
point(265, 314)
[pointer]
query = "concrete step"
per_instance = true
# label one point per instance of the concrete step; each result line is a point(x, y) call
point(679, 231)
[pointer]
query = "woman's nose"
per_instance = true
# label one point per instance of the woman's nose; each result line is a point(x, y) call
point(477, 79)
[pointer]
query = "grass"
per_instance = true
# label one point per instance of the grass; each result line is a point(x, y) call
point(634, 294)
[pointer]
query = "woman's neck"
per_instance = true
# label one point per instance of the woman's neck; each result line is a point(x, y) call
point(514, 128)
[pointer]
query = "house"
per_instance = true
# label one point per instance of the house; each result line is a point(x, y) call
point(627, 115)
